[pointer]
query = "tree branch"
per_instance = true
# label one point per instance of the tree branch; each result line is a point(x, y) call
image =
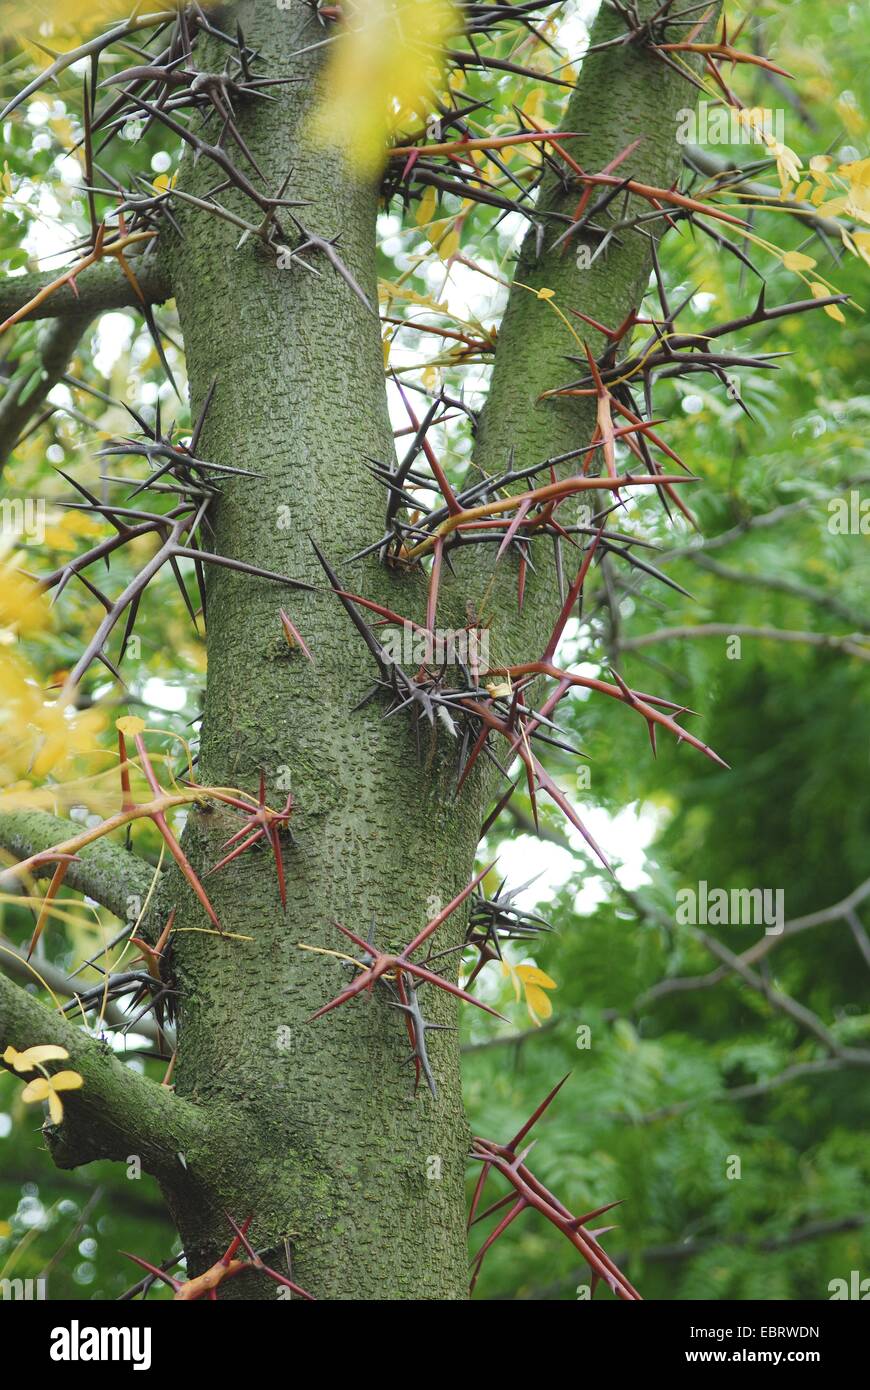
point(624, 97)
point(853, 644)
point(751, 1091)
point(807, 592)
point(756, 521)
point(118, 1112)
point(13, 962)
point(715, 165)
point(525, 825)
point(100, 288)
point(861, 938)
point(686, 1249)
point(56, 348)
point(778, 999)
point(622, 93)
point(843, 909)
point(105, 872)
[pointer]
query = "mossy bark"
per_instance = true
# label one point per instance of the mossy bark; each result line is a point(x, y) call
point(624, 95)
point(365, 1177)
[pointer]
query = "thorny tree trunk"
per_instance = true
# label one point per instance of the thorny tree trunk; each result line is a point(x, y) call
point(336, 1151)
point(313, 1128)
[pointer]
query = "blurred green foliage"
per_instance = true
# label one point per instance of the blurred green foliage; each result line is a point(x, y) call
point(646, 1116)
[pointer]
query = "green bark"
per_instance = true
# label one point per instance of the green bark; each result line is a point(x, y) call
point(117, 1113)
point(623, 94)
point(58, 342)
point(339, 1150)
point(114, 877)
point(100, 288)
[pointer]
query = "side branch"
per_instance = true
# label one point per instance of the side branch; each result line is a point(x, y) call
point(100, 288)
point(624, 100)
point(626, 103)
point(103, 870)
point(117, 1112)
point(853, 644)
point(56, 349)
point(14, 963)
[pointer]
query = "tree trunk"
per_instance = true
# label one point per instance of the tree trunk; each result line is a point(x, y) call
point(338, 1153)
point(366, 1178)
point(313, 1129)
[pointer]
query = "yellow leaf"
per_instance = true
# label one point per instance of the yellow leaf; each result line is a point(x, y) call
point(90, 14)
point(531, 975)
point(33, 1056)
point(532, 105)
point(47, 1088)
point(796, 260)
point(857, 175)
point(131, 725)
point(533, 983)
point(862, 243)
point(849, 114)
point(546, 294)
point(426, 207)
point(387, 291)
point(381, 74)
point(832, 310)
point(67, 1081)
point(857, 171)
point(538, 1003)
point(35, 1091)
point(63, 130)
point(491, 881)
point(448, 245)
point(22, 608)
point(788, 164)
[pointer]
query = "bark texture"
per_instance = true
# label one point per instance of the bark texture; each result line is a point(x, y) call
point(338, 1150)
point(623, 95)
point(101, 287)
